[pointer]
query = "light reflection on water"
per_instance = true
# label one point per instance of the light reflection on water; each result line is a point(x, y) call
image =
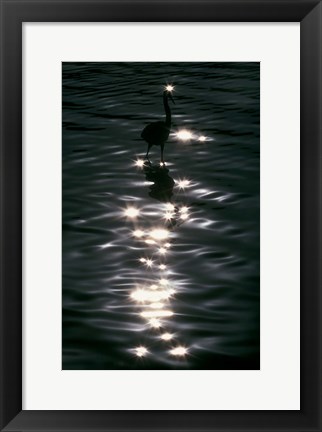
point(157, 293)
point(206, 198)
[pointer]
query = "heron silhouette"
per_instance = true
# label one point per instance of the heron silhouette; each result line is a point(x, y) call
point(157, 133)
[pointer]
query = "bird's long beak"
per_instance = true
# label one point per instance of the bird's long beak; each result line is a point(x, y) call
point(170, 96)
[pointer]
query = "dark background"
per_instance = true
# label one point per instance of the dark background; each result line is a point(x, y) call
point(214, 258)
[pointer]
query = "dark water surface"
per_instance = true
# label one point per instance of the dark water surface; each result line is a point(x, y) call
point(207, 297)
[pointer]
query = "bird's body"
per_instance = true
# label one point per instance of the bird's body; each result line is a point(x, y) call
point(157, 133)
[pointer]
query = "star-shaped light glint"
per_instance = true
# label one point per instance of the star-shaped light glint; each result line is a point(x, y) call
point(169, 88)
point(131, 212)
point(202, 138)
point(139, 163)
point(179, 351)
point(141, 351)
point(184, 135)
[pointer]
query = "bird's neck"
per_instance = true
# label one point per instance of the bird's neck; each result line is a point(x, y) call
point(167, 110)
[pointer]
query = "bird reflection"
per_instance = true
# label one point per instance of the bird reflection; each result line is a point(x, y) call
point(162, 185)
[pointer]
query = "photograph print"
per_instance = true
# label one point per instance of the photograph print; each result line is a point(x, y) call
point(160, 215)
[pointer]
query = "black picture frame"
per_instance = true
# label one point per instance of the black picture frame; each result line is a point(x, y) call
point(13, 14)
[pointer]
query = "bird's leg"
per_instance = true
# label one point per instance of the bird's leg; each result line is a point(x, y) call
point(147, 152)
point(162, 161)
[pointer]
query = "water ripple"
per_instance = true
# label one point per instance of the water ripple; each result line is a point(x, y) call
point(160, 265)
